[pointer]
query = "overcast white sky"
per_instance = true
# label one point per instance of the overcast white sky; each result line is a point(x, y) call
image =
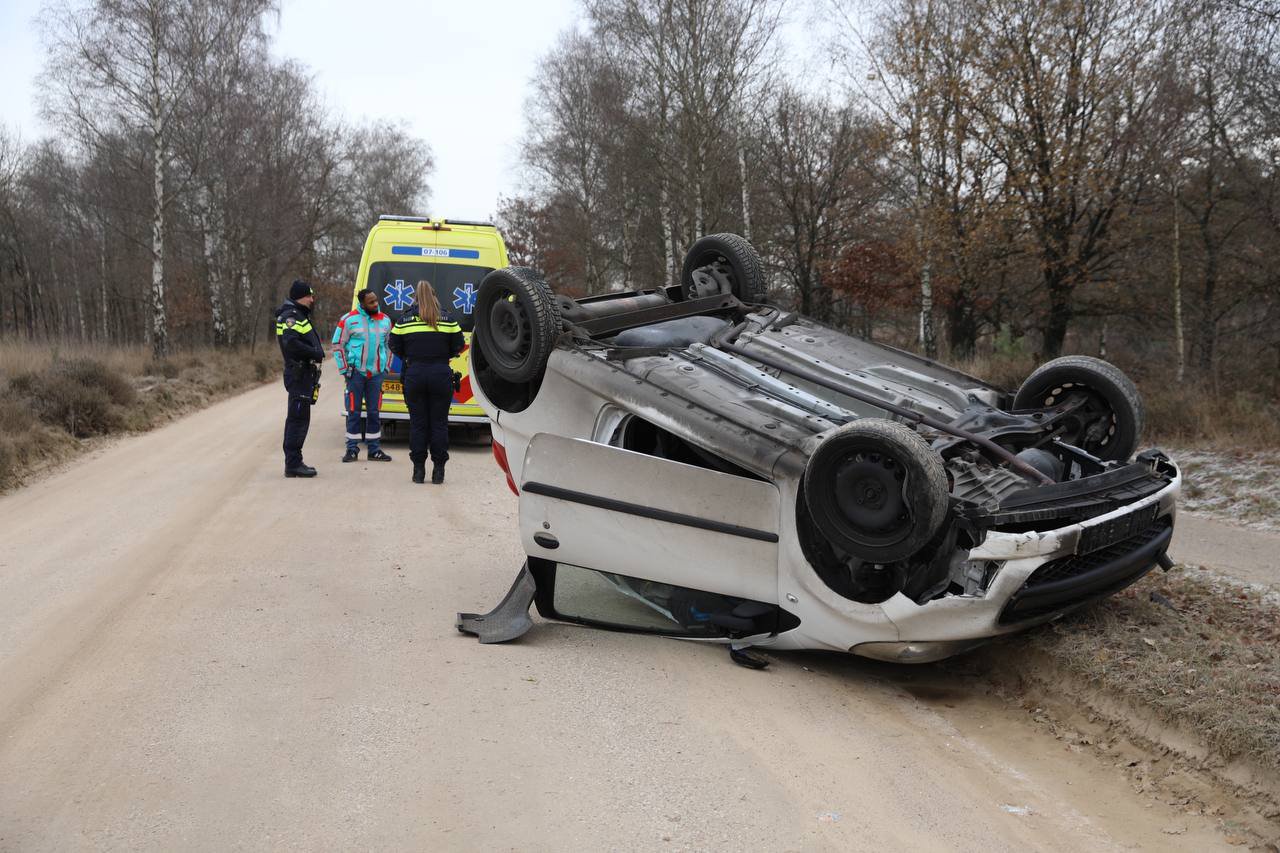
point(457, 73)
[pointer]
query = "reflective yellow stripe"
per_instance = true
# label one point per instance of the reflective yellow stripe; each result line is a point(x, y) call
point(410, 328)
point(302, 327)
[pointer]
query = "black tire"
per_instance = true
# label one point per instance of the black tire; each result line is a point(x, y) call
point(517, 323)
point(876, 490)
point(1111, 417)
point(723, 263)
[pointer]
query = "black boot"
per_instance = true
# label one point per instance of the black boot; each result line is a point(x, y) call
point(353, 455)
point(437, 473)
point(419, 472)
point(301, 470)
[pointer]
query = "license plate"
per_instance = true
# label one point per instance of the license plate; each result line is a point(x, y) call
point(392, 388)
point(1117, 529)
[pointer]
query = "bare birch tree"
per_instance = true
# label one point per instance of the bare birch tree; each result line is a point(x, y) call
point(129, 65)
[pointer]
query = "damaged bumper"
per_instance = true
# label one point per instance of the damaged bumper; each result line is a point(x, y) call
point(1033, 577)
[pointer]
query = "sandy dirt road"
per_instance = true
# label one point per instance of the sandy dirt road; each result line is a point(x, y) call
point(197, 654)
point(1243, 553)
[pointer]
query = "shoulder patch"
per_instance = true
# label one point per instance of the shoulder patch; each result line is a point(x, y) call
point(289, 322)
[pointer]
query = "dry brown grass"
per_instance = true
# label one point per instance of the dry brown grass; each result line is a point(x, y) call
point(1190, 415)
point(53, 397)
point(17, 357)
point(1005, 372)
point(1193, 649)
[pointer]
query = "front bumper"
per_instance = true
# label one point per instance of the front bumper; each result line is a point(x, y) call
point(1069, 581)
point(1016, 598)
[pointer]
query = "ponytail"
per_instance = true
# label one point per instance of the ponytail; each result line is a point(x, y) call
point(428, 305)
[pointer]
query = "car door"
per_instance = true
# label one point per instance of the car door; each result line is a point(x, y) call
point(694, 550)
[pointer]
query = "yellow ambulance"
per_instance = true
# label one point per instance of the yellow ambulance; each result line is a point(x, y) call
point(454, 255)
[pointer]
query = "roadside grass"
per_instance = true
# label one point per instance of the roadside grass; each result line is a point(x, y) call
point(1193, 415)
point(1194, 649)
point(54, 397)
point(17, 356)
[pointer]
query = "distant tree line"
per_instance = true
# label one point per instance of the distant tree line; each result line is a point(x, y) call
point(189, 177)
point(992, 176)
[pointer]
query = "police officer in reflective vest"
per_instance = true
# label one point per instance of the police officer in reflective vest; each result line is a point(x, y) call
point(360, 351)
point(425, 342)
point(300, 346)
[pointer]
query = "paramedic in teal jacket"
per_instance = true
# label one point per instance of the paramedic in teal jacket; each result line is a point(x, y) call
point(360, 350)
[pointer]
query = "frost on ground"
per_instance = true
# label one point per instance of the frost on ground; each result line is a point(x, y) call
point(1238, 486)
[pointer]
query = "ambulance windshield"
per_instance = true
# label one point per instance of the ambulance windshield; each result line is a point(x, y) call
point(456, 285)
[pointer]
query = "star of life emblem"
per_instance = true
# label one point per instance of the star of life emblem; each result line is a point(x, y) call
point(465, 298)
point(399, 294)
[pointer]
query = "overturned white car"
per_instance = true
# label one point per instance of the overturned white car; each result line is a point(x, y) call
point(694, 462)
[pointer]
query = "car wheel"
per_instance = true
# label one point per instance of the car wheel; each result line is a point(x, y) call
point(875, 489)
point(1109, 417)
point(517, 323)
point(723, 263)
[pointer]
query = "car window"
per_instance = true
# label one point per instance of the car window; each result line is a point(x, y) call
point(455, 285)
point(618, 601)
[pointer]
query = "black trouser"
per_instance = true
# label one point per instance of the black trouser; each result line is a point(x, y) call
point(297, 417)
point(428, 392)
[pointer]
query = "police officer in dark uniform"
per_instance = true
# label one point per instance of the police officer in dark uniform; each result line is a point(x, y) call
point(303, 354)
point(425, 342)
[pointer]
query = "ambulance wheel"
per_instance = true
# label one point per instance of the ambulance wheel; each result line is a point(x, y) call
point(723, 263)
point(876, 490)
point(517, 323)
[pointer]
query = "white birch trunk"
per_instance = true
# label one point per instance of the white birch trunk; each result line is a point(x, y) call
point(699, 212)
point(668, 234)
point(928, 338)
point(746, 194)
point(159, 322)
point(217, 314)
point(626, 239)
point(1178, 336)
point(83, 328)
point(103, 331)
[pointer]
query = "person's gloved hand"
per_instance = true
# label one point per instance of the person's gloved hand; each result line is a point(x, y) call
point(457, 381)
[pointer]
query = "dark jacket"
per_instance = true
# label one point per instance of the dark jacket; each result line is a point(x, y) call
point(417, 343)
point(299, 346)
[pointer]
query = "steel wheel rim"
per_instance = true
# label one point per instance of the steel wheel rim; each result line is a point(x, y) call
point(868, 491)
point(510, 330)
